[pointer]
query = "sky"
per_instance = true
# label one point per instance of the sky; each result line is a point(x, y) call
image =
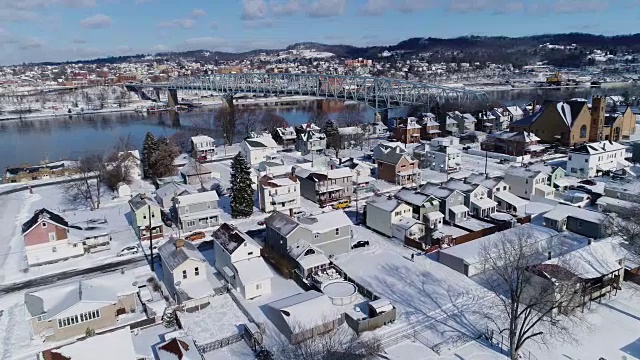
point(57, 30)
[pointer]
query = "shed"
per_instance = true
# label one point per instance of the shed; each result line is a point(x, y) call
point(124, 191)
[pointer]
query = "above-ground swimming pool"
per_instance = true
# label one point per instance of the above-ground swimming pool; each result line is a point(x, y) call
point(340, 292)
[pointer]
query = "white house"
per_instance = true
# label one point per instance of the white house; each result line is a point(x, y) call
point(286, 136)
point(197, 210)
point(408, 227)
point(258, 149)
point(526, 182)
point(278, 194)
point(383, 212)
point(445, 159)
point(592, 159)
point(131, 159)
point(237, 258)
point(202, 148)
point(186, 273)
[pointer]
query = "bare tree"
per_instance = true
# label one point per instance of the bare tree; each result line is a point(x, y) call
point(248, 118)
point(226, 120)
point(626, 224)
point(119, 164)
point(270, 121)
point(86, 187)
point(318, 117)
point(537, 302)
point(351, 116)
point(339, 344)
point(102, 97)
point(123, 98)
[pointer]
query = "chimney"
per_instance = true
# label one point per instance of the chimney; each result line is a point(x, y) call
point(291, 213)
point(589, 241)
point(549, 255)
point(179, 243)
point(533, 106)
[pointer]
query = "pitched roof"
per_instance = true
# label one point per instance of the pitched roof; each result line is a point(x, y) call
point(231, 238)
point(44, 214)
point(182, 348)
point(261, 142)
point(394, 156)
point(303, 311)
point(175, 256)
point(172, 189)
point(281, 223)
point(194, 168)
point(141, 201)
point(117, 344)
point(385, 203)
point(598, 147)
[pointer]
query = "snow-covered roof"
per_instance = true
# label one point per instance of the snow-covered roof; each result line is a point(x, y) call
point(261, 142)
point(523, 172)
point(386, 203)
point(469, 252)
point(597, 148)
point(562, 211)
point(458, 209)
point(605, 200)
point(195, 168)
point(179, 348)
point(112, 345)
point(281, 223)
point(339, 173)
point(303, 311)
point(197, 198)
point(592, 261)
point(175, 256)
point(509, 198)
point(230, 238)
point(515, 110)
point(437, 191)
point(484, 203)
point(56, 300)
point(252, 270)
point(407, 223)
point(414, 198)
point(350, 130)
point(325, 221)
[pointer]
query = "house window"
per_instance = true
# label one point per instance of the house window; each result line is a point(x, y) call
point(75, 245)
point(44, 224)
point(316, 235)
point(144, 216)
point(184, 274)
point(338, 232)
point(196, 271)
point(586, 160)
point(579, 223)
point(52, 236)
point(40, 318)
point(583, 131)
point(258, 286)
point(250, 253)
point(397, 213)
point(54, 249)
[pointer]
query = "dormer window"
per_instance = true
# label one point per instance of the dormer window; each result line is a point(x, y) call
point(44, 224)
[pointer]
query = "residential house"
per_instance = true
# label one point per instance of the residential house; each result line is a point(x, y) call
point(311, 142)
point(509, 203)
point(131, 161)
point(178, 348)
point(384, 211)
point(275, 167)
point(515, 113)
point(384, 148)
point(99, 347)
point(186, 273)
point(46, 239)
point(467, 258)
point(494, 185)
point(330, 232)
point(525, 182)
point(556, 178)
point(476, 200)
point(445, 159)
point(513, 143)
point(449, 125)
point(351, 136)
point(304, 316)
point(165, 194)
point(39, 172)
point(398, 167)
point(408, 132)
point(375, 129)
point(594, 159)
point(146, 213)
point(488, 122)
point(258, 148)
point(195, 173)
point(237, 258)
point(565, 122)
point(285, 136)
point(325, 186)
point(502, 119)
point(409, 228)
point(310, 259)
point(466, 122)
point(202, 148)
point(278, 194)
point(430, 128)
point(581, 221)
point(608, 204)
point(66, 311)
point(595, 270)
point(421, 206)
point(197, 211)
point(451, 202)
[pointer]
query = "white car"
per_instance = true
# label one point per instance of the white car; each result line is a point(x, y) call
point(129, 250)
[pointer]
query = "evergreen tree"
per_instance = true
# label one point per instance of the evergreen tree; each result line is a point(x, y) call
point(89, 332)
point(149, 150)
point(241, 187)
point(169, 319)
point(333, 136)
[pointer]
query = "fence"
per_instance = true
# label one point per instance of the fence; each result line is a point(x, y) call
point(364, 291)
point(631, 276)
point(242, 307)
point(217, 344)
point(368, 324)
point(495, 155)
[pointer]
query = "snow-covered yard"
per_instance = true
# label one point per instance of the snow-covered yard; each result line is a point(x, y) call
point(237, 351)
point(222, 318)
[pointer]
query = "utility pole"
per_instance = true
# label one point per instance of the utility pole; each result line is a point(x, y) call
point(150, 238)
point(486, 161)
point(356, 189)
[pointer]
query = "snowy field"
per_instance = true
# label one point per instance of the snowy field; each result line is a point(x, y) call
point(237, 351)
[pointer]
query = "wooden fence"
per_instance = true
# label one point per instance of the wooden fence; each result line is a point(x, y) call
point(217, 344)
point(368, 324)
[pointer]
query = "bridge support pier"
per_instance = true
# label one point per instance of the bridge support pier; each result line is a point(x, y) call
point(228, 100)
point(382, 116)
point(157, 91)
point(172, 100)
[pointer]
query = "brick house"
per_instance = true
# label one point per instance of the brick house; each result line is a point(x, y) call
point(408, 132)
point(398, 167)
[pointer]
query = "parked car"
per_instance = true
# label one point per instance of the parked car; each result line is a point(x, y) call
point(129, 250)
point(588, 182)
point(166, 219)
point(261, 222)
point(360, 243)
point(342, 204)
point(194, 236)
point(299, 213)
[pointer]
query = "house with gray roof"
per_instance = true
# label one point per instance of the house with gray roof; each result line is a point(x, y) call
point(397, 167)
point(451, 202)
point(525, 182)
point(187, 275)
point(258, 148)
point(195, 173)
point(421, 204)
point(581, 221)
point(329, 231)
point(165, 194)
point(476, 198)
point(311, 142)
point(325, 186)
point(146, 212)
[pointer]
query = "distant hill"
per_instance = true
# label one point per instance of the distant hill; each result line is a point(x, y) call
point(518, 51)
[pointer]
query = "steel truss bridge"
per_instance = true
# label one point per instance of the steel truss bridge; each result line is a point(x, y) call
point(379, 93)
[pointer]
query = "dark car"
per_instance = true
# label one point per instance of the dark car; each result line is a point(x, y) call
point(166, 219)
point(588, 182)
point(360, 243)
point(261, 222)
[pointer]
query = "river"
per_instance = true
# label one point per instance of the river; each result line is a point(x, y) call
point(34, 140)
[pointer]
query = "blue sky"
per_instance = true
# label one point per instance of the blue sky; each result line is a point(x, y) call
point(41, 30)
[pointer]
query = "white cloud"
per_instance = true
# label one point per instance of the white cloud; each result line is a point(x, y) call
point(198, 13)
point(285, 7)
point(30, 43)
point(254, 9)
point(160, 48)
point(573, 6)
point(326, 8)
point(178, 23)
point(97, 21)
